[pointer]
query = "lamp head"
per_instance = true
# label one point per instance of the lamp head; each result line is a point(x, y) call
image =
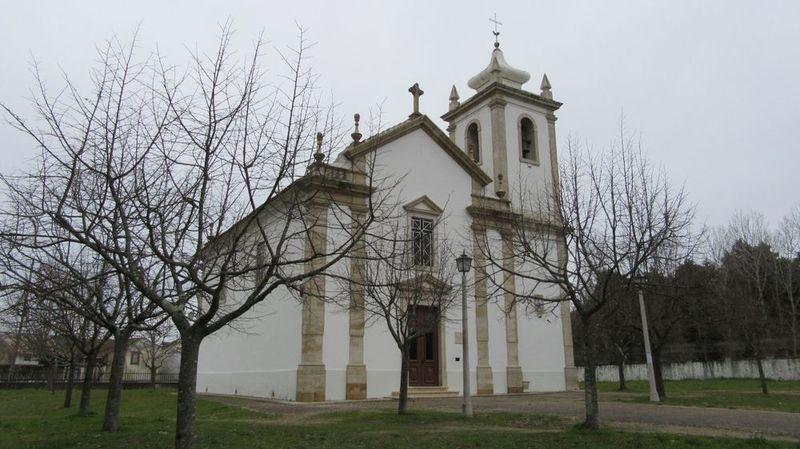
point(463, 262)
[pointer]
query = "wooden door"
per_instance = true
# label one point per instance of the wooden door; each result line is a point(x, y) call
point(423, 364)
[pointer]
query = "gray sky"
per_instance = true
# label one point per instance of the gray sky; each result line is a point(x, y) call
point(713, 87)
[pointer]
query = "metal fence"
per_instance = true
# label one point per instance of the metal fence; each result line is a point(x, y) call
point(38, 375)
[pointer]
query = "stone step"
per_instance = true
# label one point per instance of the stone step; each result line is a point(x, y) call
point(428, 392)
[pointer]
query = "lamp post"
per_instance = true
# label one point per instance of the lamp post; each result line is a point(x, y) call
point(464, 262)
point(640, 282)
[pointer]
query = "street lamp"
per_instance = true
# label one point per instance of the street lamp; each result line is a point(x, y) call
point(640, 282)
point(464, 264)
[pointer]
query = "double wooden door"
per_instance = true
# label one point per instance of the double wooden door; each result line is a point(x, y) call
point(423, 363)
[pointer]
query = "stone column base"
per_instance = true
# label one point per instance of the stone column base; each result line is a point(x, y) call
point(485, 384)
point(514, 379)
point(356, 382)
point(571, 378)
point(310, 383)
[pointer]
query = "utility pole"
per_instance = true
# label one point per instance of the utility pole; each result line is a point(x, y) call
point(640, 281)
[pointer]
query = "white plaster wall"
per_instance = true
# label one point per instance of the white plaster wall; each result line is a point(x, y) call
point(259, 355)
point(541, 343)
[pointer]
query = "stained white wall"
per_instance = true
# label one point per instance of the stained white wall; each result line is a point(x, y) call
point(259, 355)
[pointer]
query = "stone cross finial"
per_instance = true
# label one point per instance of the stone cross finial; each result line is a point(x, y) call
point(416, 92)
point(318, 156)
point(546, 93)
point(356, 135)
point(454, 98)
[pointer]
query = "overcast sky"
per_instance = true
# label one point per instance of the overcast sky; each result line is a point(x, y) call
point(712, 87)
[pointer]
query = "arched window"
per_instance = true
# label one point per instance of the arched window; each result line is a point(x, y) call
point(527, 140)
point(474, 142)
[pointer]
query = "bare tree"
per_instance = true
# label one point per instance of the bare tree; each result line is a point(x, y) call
point(14, 316)
point(604, 218)
point(747, 262)
point(788, 269)
point(56, 332)
point(197, 187)
point(158, 344)
point(79, 282)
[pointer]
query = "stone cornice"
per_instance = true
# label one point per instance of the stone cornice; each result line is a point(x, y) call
point(501, 89)
point(492, 213)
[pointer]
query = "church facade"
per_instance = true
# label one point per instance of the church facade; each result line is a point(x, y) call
point(500, 141)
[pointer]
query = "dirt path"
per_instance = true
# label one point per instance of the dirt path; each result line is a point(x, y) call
point(630, 416)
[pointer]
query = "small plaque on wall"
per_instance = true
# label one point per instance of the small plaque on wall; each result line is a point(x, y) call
point(459, 338)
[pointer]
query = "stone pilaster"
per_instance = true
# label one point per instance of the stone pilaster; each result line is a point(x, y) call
point(484, 369)
point(356, 369)
point(311, 371)
point(570, 372)
point(499, 157)
point(513, 370)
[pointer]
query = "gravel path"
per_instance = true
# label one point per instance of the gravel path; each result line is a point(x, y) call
point(669, 418)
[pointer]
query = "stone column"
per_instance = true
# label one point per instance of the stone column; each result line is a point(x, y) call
point(356, 369)
point(513, 370)
point(570, 372)
point(484, 369)
point(497, 107)
point(311, 371)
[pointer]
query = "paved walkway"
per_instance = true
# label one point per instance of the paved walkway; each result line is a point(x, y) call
point(631, 416)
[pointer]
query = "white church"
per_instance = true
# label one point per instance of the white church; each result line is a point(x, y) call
point(500, 141)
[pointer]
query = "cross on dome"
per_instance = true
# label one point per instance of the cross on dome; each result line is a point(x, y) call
point(495, 32)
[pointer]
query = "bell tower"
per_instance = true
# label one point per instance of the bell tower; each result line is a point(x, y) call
point(510, 133)
point(507, 130)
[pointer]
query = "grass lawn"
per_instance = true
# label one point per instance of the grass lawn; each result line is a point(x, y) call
point(784, 396)
point(34, 419)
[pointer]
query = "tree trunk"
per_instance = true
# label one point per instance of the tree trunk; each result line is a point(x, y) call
point(88, 379)
point(53, 376)
point(153, 377)
point(114, 397)
point(793, 306)
point(590, 380)
point(70, 382)
point(185, 437)
point(761, 376)
point(402, 400)
point(662, 394)
point(621, 372)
